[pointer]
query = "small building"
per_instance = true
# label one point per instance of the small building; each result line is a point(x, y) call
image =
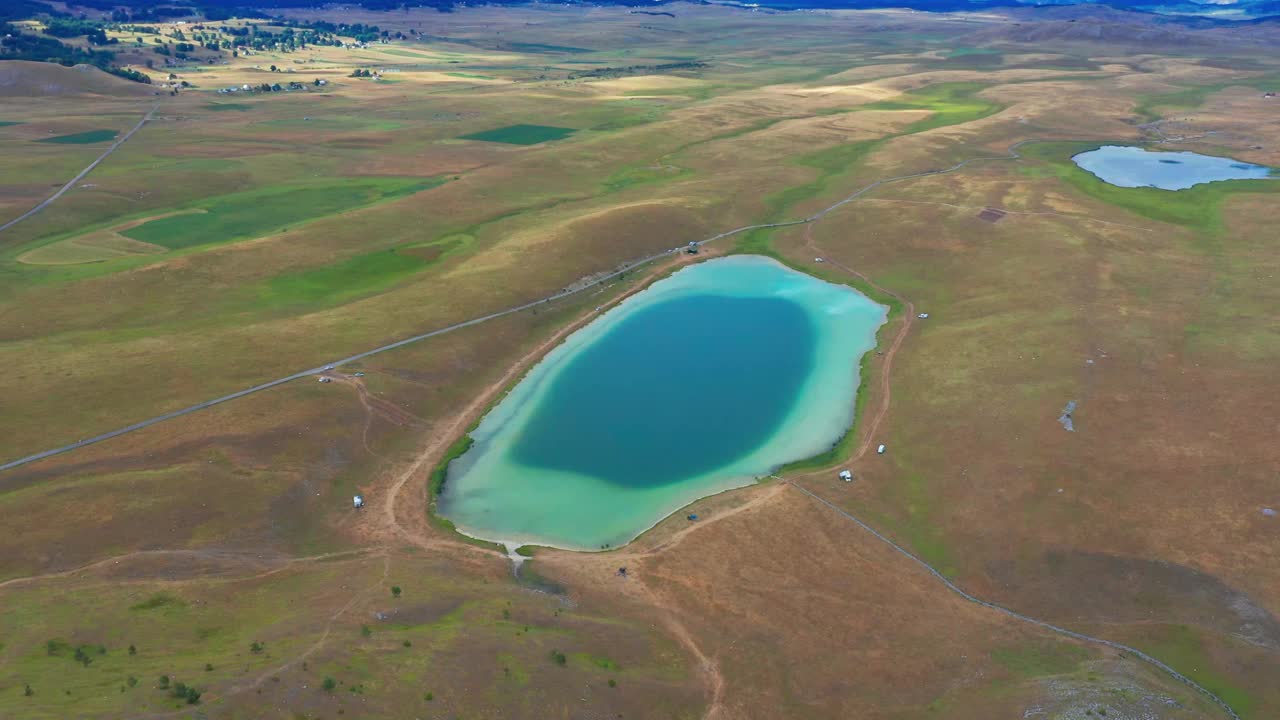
point(691, 517)
point(358, 501)
point(818, 260)
point(923, 316)
point(692, 248)
point(325, 379)
point(880, 450)
point(846, 476)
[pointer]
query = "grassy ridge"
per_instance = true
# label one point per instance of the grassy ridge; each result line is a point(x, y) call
point(1148, 106)
point(949, 103)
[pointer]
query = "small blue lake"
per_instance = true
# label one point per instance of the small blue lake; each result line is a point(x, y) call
point(706, 381)
point(1133, 167)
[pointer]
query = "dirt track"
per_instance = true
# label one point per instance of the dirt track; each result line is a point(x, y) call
point(72, 182)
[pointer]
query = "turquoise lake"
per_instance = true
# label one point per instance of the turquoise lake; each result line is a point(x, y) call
point(1133, 167)
point(705, 381)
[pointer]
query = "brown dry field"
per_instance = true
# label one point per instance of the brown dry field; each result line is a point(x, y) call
point(195, 538)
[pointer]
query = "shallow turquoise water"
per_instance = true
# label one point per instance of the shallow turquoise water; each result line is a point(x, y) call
point(704, 382)
point(1133, 167)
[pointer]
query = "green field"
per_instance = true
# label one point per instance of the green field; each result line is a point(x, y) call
point(259, 212)
point(82, 138)
point(521, 134)
point(356, 277)
point(223, 107)
point(7, 123)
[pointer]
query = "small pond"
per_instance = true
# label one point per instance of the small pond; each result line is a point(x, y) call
point(705, 381)
point(1134, 167)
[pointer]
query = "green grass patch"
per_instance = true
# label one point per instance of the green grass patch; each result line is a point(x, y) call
point(1182, 648)
point(259, 212)
point(632, 176)
point(1040, 659)
point(521, 134)
point(87, 137)
point(963, 51)
point(7, 123)
point(224, 107)
point(355, 277)
point(599, 661)
point(158, 600)
point(950, 103)
point(441, 471)
point(472, 76)
point(1198, 208)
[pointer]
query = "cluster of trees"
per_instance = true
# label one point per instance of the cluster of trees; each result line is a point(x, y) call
point(181, 691)
point(16, 45)
point(68, 28)
point(362, 74)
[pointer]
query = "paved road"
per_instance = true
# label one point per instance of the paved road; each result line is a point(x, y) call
point(1012, 155)
point(1019, 616)
point(86, 171)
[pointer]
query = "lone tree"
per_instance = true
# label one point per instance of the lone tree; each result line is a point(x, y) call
point(329, 684)
point(27, 691)
point(395, 591)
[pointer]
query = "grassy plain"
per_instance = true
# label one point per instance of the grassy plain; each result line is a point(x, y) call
point(237, 239)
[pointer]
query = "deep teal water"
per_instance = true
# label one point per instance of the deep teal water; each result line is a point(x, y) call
point(1134, 167)
point(663, 398)
point(706, 381)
